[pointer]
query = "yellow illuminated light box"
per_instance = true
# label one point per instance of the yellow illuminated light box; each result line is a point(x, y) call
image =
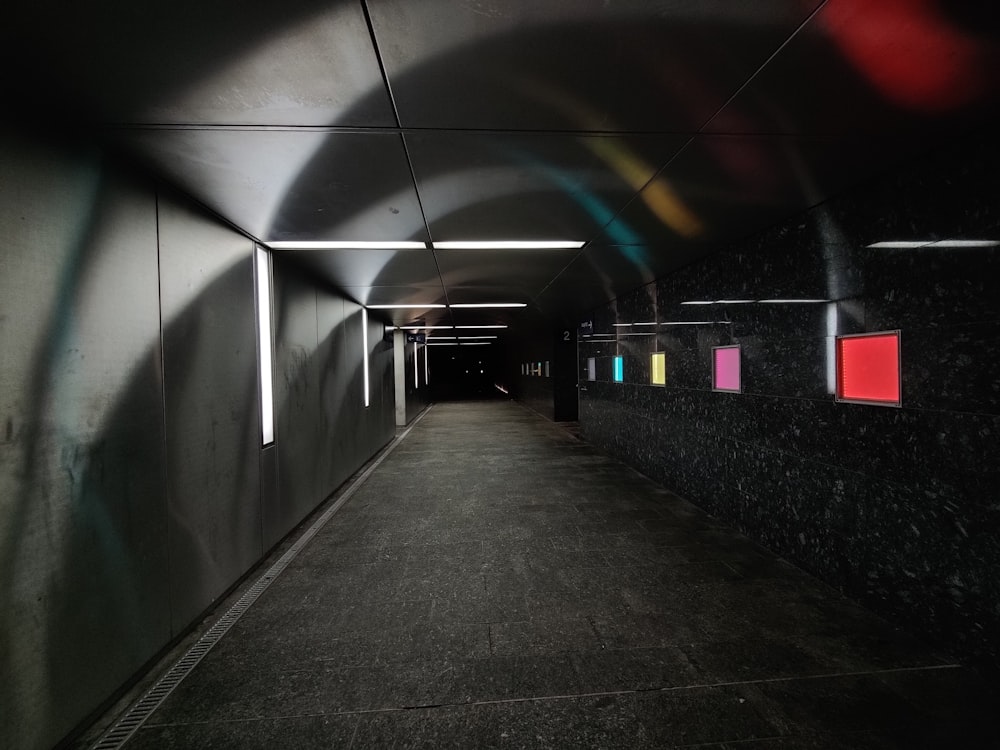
point(658, 370)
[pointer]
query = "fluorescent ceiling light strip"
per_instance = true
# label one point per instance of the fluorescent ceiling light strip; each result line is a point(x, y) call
point(638, 334)
point(472, 328)
point(900, 244)
point(426, 328)
point(428, 306)
point(645, 324)
point(698, 302)
point(910, 244)
point(475, 343)
point(484, 305)
point(689, 323)
point(471, 338)
point(508, 245)
point(345, 245)
point(791, 301)
point(621, 325)
point(735, 301)
point(966, 243)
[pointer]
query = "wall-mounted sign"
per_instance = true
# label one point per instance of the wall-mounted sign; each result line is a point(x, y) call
point(868, 370)
point(726, 374)
point(416, 338)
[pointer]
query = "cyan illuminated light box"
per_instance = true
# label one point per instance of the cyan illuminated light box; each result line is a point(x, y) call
point(868, 368)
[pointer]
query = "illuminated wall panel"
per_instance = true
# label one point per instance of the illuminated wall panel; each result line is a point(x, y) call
point(658, 369)
point(591, 368)
point(262, 269)
point(726, 369)
point(619, 369)
point(868, 368)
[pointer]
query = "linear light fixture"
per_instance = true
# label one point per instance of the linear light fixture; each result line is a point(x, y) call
point(364, 344)
point(475, 327)
point(475, 343)
point(910, 244)
point(345, 245)
point(459, 338)
point(735, 301)
point(484, 305)
point(791, 301)
point(699, 302)
point(406, 307)
point(509, 245)
point(426, 328)
point(690, 323)
point(262, 270)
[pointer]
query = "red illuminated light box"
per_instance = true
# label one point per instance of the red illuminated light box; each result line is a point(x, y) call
point(868, 368)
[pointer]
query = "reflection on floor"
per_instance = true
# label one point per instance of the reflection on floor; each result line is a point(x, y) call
point(497, 583)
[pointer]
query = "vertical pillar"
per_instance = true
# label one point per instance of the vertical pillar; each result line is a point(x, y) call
point(399, 371)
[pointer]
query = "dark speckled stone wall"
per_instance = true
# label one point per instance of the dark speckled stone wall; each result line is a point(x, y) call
point(898, 507)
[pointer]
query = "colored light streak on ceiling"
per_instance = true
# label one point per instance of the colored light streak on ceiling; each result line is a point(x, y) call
point(658, 195)
point(911, 52)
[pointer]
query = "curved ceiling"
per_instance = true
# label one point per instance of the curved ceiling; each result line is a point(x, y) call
point(656, 131)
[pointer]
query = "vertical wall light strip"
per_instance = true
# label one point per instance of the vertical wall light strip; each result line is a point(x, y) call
point(427, 370)
point(831, 348)
point(416, 371)
point(262, 270)
point(364, 342)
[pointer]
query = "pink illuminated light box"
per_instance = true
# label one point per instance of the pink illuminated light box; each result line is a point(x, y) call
point(726, 369)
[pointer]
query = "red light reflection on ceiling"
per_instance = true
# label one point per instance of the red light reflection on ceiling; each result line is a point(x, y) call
point(868, 368)
point(910, 52)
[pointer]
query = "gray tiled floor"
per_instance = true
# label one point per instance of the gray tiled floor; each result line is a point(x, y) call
point(496, 583)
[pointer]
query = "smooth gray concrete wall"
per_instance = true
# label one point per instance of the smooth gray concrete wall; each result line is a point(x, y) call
point(323, 431)
point(84, 574)
point(211, 394)
point(133, 488)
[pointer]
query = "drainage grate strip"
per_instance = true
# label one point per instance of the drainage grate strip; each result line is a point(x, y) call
point(129, 723)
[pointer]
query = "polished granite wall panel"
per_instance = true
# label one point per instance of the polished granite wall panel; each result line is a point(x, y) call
point(896, 506)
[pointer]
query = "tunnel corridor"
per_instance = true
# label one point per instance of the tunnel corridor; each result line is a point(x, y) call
point(497, 582)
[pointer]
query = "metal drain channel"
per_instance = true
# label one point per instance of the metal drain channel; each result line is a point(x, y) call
point(137, 714)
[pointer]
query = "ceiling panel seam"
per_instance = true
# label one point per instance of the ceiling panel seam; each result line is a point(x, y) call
point(746, 83)
point(406, 150)
point(764, 64)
